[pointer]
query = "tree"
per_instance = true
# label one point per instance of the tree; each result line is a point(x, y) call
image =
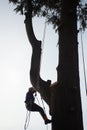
point(63, 97)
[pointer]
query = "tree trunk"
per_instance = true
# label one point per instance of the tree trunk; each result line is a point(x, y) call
point(66, 102)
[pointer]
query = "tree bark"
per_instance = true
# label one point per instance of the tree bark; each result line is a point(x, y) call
point(66, 110)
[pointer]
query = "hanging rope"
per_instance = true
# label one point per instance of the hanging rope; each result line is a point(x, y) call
point(44, 33)
point(45, 25)
point(84, 68)
point(43, 108)
point(43, 38)
point(42, 103)
point(27, 120)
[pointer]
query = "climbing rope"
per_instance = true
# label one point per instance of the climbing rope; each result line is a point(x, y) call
point(43, 108)
point(84, 68)
point(45, 26)
point(27, 120)
point(44, 33)
point(42, 103)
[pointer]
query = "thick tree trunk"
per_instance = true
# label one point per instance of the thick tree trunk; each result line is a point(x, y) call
point(66, 109)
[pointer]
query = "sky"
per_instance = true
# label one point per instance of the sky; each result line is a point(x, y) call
point(15, 58)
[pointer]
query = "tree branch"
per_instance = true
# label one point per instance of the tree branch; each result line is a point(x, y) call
point(41, 86)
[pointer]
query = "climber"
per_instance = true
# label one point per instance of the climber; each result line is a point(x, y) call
point(31, 106)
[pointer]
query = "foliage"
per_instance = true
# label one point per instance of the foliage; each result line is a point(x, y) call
point(51, 9)
point(82, 15)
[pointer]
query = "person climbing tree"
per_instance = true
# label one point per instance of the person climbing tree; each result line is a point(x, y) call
point(32, 106)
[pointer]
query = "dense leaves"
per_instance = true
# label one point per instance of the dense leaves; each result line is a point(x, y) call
point(51, 9)
point(82, 15)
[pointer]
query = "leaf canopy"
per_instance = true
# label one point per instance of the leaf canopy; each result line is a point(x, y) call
point(51, 9)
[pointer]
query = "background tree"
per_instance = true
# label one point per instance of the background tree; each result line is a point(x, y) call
point(63, 97)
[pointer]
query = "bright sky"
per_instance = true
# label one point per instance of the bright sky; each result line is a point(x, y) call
point(15, 56)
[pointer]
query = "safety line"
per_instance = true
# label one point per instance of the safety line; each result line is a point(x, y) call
point(84, 68)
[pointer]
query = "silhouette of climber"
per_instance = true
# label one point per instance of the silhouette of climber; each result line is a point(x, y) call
point(31, 106)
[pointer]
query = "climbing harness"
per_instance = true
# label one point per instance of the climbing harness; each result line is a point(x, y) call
point(84, 68)
point(28, 113)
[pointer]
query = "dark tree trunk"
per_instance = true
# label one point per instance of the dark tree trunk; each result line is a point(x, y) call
point(66, 111)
